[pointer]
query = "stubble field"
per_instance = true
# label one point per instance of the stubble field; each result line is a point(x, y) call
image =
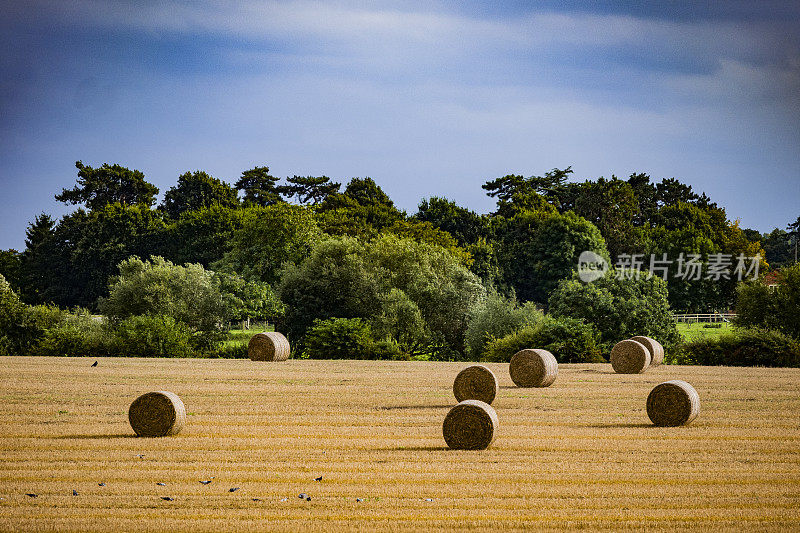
point(579, 454)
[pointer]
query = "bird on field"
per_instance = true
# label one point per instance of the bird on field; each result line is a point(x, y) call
point(140, 455)
point(308, 499)
point(318, 478)
point(359, 499)
point(31, 495)
point(256, 499)
point(233, 489)
point(283, 499)
point(167, 499)
point(207, 481)
point(101, 484)
point(302, 495)
point(94, 364)
point(74, 492)
point(161, 484)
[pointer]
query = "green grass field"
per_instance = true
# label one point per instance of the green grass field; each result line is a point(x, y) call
point(578, 454)
point(698, 331)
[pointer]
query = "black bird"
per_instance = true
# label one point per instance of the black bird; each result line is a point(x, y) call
point(31, 495)
point(207, 481)
point(94, 364)
point(74, 492)
point(167, 499)
point(161, 484)
point(318, 478)
point(308, 499)
point(359, 499)
point(101, 484)
point(302, 495)
point(233, 489)
point(256, 499)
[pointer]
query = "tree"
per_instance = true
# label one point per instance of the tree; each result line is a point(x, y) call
point(516, 193)
point(268, 238)
point(794, 232)
point(611, 206)
point(259, 187)
point(248, 299)
point(11, 267)
point(466, 226)
point(157, 287)
point(202, 236)
point(646, 198)
point(538, 249)
point(778, 309)
point(778, 249)
point(619, 308)
point(108, 184)
point(428, 233)
point(309, 189)
point(42, 262)
point(496, 317)
point(197, 190)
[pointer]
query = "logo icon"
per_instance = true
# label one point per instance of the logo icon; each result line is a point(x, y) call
point(591, 266)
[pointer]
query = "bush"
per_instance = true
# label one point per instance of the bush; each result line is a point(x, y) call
point(339, 338)
point(779, 309)
point(744, 347)
point(569, 340)
point(151, 336)
point(76, 335)
point(618, 308)
point(495, 318)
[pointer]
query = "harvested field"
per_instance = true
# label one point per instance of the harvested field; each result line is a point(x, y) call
point(579, 454)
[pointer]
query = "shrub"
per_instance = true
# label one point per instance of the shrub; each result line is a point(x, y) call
point(744, 347)
point(497, 317)
point(569, 340)
point(21, 326)
point(618, 308)
point(151, 336)
point(779, 309)
point(339, 338)
point(76, 335)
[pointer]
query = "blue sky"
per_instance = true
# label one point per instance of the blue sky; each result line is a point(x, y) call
point(427, 98)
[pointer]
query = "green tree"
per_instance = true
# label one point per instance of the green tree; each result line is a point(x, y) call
point(259, 187)
point(248, 299)
point(268, 238)
point(11, 267)
point(197, 190)
point(611, 206)
point(157, 287)
point(108, 184)
point(538, 249)
point(778, 309)
point(309, 188)
point(778, 249)
point(619, 308)
point(44, 263)
point(202, 236)
point(646, 198)
point(466, 226)
point(496, 317)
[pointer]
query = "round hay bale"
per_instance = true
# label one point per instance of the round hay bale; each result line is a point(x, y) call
point(470, 425)
point(656, 350)
point(475, 383)
point(268, 346)
point(630, 357)
point(157, 414)
point(533, 367)
point(673, 403)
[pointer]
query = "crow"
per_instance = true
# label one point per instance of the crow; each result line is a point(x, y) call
point(167, 499)
point(161, 484)
point(31, 495)
point(74, 492)
point(101, 484)
point(94, 364)
point(206, 482)
point(318, 478)
point(233, 489)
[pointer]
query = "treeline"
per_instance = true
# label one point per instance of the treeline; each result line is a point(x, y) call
point(323, 252)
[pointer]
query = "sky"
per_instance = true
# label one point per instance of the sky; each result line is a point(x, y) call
point(427, 98)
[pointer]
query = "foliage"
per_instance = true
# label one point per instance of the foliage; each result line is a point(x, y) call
point(259, 187)
point(742, 347)
point(268, 238)
point(197, 190)
point(618, 308)
point(251, 299)
point(202, 236)
point(11, 268)
point(466, 226)
point(428, 233)
point(569, 340)
point(496, 317)
point(611, 206)
point(107, 185)
point(157, 287)
point(778, 249)
point(339, 338)
point(538, 249)
point(153, 336)
point(516, 194)
point(778, 308)
point(76, 335)
point(349, 278)
point(309, 189)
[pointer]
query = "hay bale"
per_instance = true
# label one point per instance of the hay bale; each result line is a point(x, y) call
point(533, 368)
point(157, 414)
point(673, 403)
point(475, 383)
point(470, 425)
point(656, 350)
point(268, 346)
point(630, 357)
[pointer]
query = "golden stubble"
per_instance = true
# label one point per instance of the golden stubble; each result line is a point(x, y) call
point(580, 454)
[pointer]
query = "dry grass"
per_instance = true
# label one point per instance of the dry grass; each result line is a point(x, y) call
point(579, 454)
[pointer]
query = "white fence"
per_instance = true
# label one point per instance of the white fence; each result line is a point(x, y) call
point(704, 317)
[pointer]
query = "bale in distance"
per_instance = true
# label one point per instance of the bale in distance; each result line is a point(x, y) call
point(157, 414)
point(470, 425)
point(655, 348)
point(533, 367)
point(268, 346)
point(673, 403)
point(475, 382)
point(630, 357)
